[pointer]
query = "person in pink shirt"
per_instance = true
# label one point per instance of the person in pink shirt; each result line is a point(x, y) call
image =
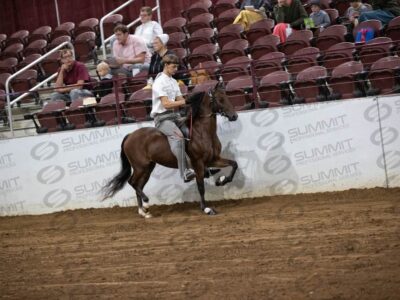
point(131, 54)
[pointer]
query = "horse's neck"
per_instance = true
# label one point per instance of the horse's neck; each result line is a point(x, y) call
point(206, 123)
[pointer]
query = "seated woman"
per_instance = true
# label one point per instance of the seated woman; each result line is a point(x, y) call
point(383, 11)
point(251, 12)
point(288, 14)
point(156, 62)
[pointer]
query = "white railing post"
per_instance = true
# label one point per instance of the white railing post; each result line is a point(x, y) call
point(57, 12)
point(158, 12)
point(23, 70)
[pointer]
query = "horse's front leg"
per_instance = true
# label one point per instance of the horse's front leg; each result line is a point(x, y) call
point(222, 163)
point(199, 169)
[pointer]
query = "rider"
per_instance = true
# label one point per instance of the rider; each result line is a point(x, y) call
point(166, 97)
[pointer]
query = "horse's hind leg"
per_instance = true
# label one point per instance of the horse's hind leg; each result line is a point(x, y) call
point(137, 181)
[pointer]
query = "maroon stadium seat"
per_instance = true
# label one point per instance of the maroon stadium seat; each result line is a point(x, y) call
point(264, 45)
point(240, 93)
point(308, 85)
point(344, 80)
point(272, 89)
point(330, 36)
point(384, 76)
point(268, 63)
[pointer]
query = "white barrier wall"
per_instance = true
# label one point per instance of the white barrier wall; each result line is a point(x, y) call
point(296, 149)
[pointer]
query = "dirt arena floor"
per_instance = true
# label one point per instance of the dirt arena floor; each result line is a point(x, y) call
point(323, 246)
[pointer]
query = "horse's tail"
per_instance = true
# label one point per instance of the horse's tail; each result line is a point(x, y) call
point(118, 182)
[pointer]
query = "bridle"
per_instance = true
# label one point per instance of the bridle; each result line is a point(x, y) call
point(215, 109)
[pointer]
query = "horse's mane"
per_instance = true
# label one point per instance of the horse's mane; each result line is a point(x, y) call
point(196, 99)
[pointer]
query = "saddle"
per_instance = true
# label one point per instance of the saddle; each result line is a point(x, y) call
point(178, 119)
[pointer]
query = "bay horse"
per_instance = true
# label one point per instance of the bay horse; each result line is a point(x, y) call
point(142, 149)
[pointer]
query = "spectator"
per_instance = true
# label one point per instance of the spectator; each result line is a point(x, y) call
point(130, 52)
point(355, 10)
point(251, 12)
point(383, 11)
point(160, 50)
point(149, 29)
point(288, 14)
point(74, 73)
point(319, 17)
point(105, 85)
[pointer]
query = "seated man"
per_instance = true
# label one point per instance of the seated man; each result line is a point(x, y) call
point(166, 97)
point(289, 14)
point(355, 10)
point(130, 52)
point(73, 73)
point(319, 17)
point(383, 10)
point(149, 29)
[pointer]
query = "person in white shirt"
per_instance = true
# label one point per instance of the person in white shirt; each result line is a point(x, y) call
point(149, 29)
point(166, 97)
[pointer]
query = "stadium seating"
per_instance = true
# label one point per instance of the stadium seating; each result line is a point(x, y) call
point(297, 40)
point(110, 22)
point(302, 59)
point(235, 67)
point(229, 33)
point(138, 106)
point(66, 28)
point(85, 47)
point(384, 76)
point(310, 85)
point(202, 53)
point(331, 36)
point(174, 25)
point(200, 37)
point(338, 54)
point(273, 89)
point(233, 49)
point(198, 22)
point(51, 118)
point(240, 92)
point(345, 81)
point(8, 65)
point(259, 29)
point(264, 45)
point(41, 33)
point(268, 63)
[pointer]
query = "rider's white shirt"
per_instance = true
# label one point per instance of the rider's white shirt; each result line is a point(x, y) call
point(163, 86)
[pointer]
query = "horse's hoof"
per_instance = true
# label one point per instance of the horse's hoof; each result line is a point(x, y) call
point(144, 213)
point(146, 205)
point(209, 211)
point(220, 181)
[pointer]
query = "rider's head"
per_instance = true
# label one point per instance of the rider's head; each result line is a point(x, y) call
point(171, 63)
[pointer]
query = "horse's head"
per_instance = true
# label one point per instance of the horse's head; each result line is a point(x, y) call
point(220, 104)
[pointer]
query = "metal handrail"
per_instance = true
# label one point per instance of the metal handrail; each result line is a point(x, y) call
point(23, 70)
point(104, 41)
